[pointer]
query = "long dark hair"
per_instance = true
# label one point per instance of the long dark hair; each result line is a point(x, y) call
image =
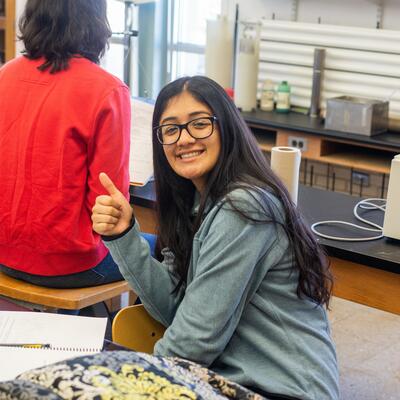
point(241, 164)
point(60, 29)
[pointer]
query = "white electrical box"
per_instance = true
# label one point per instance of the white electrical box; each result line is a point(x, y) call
point(391, 224)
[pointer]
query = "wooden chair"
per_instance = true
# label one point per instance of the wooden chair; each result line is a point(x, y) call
point(50, 299)
point(134, 328)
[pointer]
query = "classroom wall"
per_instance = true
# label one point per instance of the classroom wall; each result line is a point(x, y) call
point(358, 13)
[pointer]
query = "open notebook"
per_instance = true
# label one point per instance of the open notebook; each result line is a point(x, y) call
point(141, 152)
point(67, 336)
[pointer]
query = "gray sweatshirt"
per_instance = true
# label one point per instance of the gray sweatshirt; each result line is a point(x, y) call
point(239, 313)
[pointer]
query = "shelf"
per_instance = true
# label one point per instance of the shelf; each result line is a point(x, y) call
point(266, 143)
point(365, 162)
point(333, 159)
point(340, 152)
point(266, 138)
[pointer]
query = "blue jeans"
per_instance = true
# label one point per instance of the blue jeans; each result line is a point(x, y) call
point(105, 272)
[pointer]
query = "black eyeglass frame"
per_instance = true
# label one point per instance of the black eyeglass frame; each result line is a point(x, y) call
point(181, 127)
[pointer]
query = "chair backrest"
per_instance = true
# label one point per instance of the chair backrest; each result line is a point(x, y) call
point(71, 299)
point(134, 328)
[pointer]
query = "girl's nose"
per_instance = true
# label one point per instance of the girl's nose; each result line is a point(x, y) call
point(185, 138)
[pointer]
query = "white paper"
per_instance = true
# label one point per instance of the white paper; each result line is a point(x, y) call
point(141, 153)
point(68, 336)
point(58, 330)
point(15, 361)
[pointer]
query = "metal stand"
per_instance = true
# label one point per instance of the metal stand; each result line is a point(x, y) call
point(125, 38)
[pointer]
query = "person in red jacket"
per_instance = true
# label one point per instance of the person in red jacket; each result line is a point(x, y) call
point(63, 120)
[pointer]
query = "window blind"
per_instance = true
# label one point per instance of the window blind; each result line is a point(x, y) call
point(359, 62)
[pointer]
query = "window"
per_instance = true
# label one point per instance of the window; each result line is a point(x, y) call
point(113, 61)
point(188, 23)
point(119, 58)
point(177, 36)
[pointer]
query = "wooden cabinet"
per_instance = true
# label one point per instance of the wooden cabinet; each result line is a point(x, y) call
point(334, 163)
point(7, 30)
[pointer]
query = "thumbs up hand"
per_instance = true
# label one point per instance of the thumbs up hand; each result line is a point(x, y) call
point(112, 213)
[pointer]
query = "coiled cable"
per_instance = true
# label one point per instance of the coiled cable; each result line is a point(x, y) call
point(367, 204)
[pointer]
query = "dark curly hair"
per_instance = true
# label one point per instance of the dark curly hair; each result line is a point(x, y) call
point(58, 30)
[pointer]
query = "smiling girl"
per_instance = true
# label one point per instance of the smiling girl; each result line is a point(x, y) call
point(239, 281)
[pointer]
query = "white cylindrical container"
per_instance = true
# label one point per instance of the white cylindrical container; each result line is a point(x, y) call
point(219, 52)
point(285, 162)
point(391, 223)
point(246, 75)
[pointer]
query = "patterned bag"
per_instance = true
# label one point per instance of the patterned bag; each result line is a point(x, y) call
point(119, 375)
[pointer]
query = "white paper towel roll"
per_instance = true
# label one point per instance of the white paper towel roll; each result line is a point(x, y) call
point(391, 224)
point(219, 52)
point(285, 162)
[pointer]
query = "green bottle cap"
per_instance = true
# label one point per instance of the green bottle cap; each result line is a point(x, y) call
point(284, 87)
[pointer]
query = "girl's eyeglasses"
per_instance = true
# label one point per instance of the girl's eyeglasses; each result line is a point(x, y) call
point(198, 128)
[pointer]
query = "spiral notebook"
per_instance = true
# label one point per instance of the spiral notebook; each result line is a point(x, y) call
point(62, 337)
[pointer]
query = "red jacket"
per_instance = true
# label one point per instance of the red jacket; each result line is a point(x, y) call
point(57, 133)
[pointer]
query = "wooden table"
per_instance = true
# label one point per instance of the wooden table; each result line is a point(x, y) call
point(365, 272)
